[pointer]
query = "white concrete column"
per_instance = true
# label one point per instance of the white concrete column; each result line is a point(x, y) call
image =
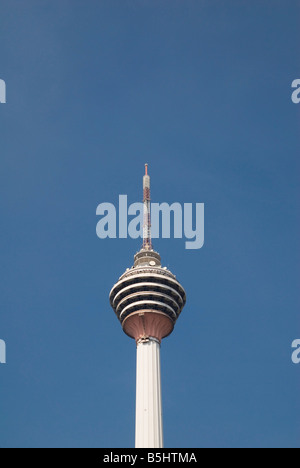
point(148, 422)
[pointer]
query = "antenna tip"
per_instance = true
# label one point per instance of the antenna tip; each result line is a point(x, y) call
point(146, 169)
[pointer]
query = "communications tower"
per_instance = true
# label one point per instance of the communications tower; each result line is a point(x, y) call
point(147, 300)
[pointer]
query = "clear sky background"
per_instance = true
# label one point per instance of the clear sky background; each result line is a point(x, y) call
point(201, 90)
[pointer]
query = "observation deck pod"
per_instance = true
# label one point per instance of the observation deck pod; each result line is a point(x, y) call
point(147, 299)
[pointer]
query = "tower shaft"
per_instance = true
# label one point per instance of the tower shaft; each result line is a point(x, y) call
point(148, 427)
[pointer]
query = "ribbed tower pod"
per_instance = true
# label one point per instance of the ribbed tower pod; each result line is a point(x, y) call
point(147, 300)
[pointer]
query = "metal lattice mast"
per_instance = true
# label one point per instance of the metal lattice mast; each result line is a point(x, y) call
point(147, 243)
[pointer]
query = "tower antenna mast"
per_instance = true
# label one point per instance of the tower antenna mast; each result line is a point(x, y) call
point(147, 242)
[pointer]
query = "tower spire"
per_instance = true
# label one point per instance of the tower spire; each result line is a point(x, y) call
point(147, 243)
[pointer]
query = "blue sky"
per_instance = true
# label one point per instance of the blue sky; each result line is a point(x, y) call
point(201, 90)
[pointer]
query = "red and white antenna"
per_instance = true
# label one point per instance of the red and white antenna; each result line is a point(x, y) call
point(147, 243)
